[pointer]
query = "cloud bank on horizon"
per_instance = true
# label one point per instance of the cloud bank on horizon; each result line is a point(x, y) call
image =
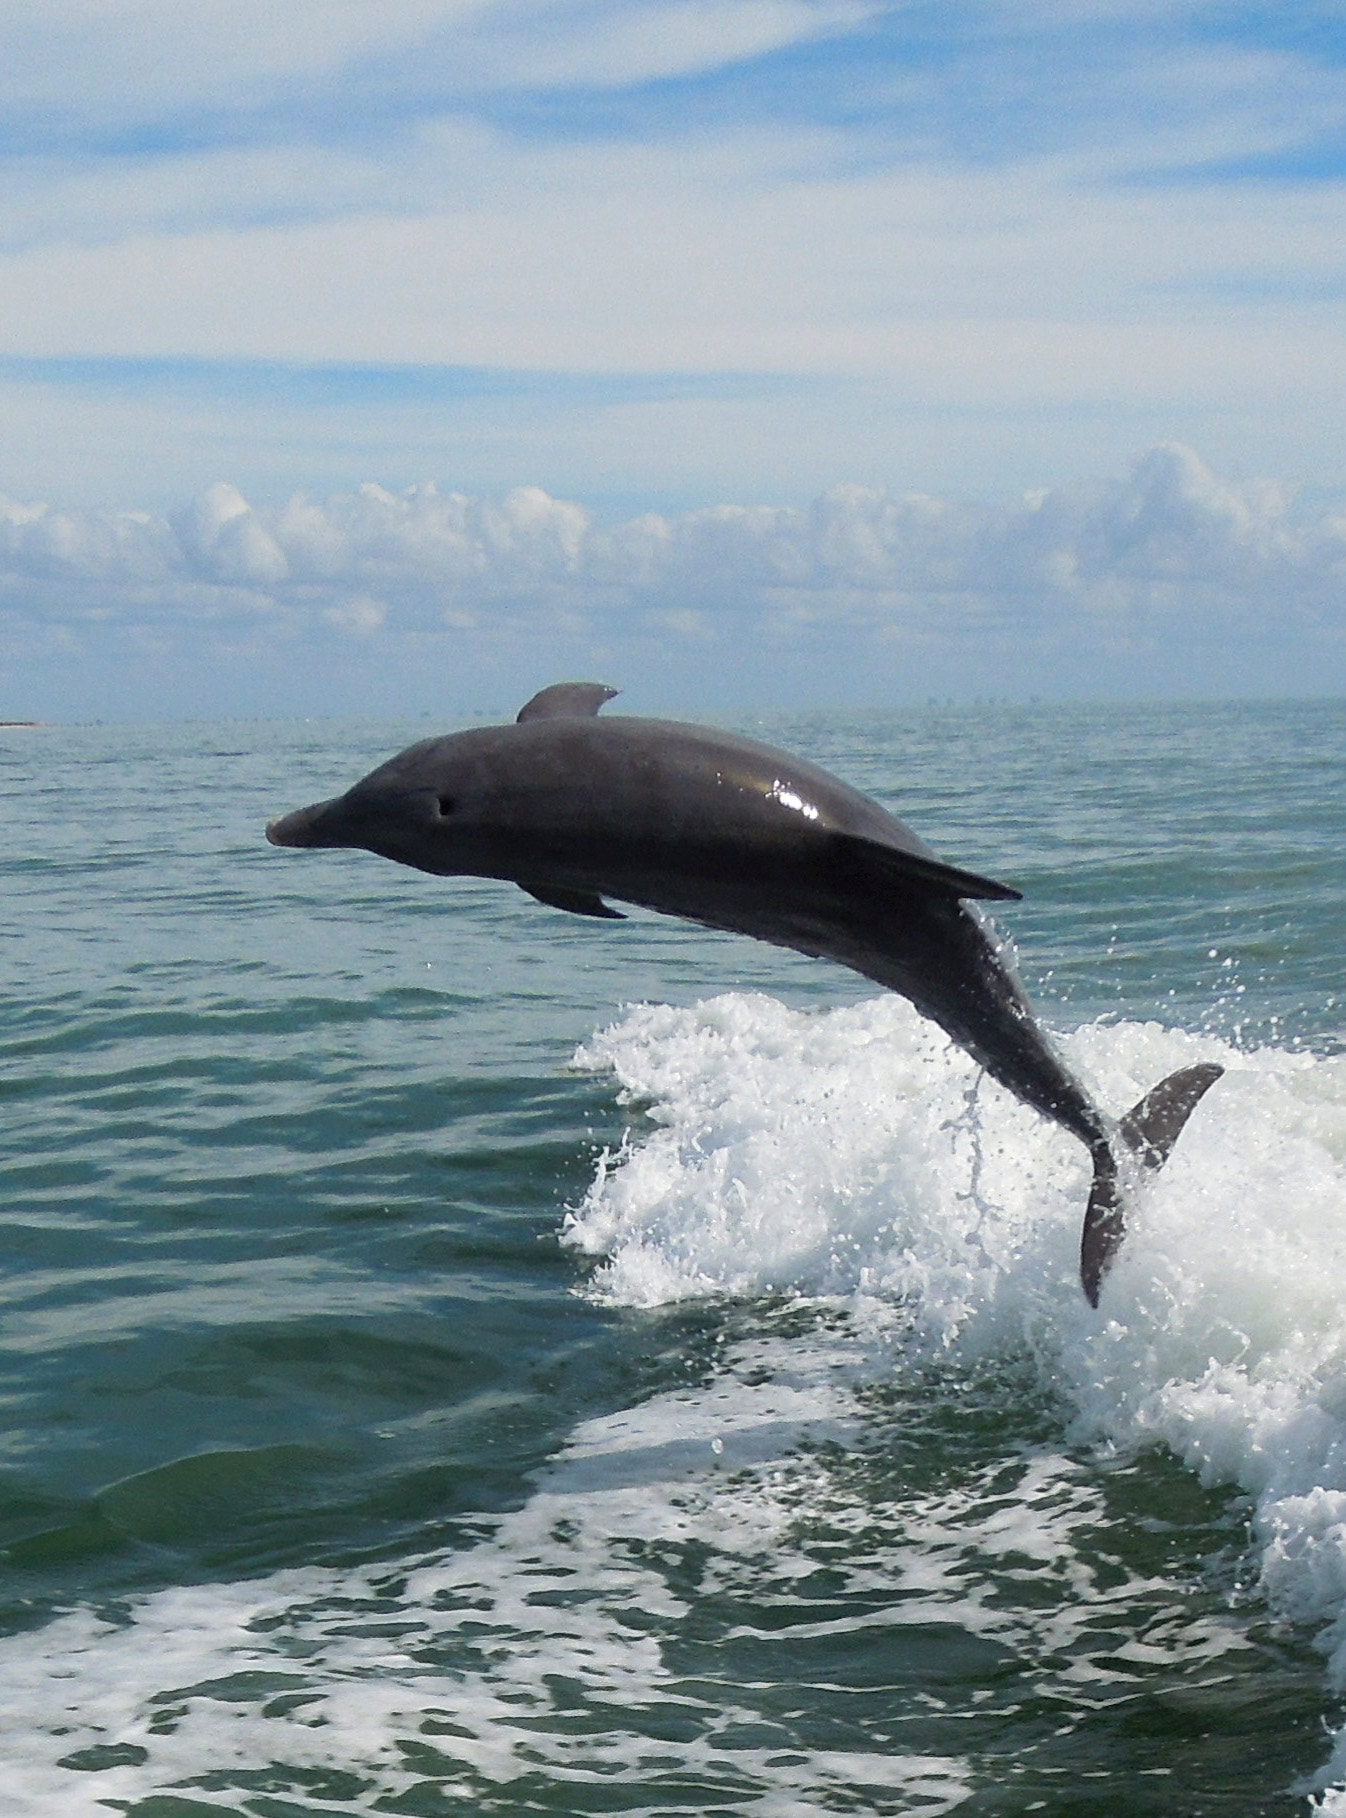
point(415, 600)
point(654, 255)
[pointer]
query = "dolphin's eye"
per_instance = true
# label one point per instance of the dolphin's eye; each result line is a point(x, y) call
point(446, 804)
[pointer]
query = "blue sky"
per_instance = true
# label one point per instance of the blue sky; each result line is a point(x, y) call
point(653, 258)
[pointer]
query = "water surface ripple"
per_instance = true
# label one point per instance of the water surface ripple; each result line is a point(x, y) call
point(407, 1412)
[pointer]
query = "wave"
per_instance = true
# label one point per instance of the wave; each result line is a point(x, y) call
point(697, 1607)
point(854, 1153)
point(701, 1590)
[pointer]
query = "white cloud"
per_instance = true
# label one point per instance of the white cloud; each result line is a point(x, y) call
point(330, 182)
point(105, 61)
point(1172, 546)
point(724, 256)
point(91, 64)
point(360, 615)
point(965, 256)
point(616, 46)
point(1171, 581)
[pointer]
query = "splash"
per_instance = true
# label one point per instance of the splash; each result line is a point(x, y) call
point(646, 1620)
point(854, 1153)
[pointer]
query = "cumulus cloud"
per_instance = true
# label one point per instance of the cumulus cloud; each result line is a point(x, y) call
point(1171, 544)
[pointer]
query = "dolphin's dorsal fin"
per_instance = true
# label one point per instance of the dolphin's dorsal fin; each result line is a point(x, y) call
point(566, 701)
point(904, 867)
point(577, 902)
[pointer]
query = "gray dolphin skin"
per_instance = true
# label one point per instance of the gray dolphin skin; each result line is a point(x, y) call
point(734, 835)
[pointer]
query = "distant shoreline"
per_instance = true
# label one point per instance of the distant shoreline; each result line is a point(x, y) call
point(9, 723)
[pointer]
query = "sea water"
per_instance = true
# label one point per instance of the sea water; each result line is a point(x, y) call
point(460, 1358)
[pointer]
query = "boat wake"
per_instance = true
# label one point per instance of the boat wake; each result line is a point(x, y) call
point(855, 1154)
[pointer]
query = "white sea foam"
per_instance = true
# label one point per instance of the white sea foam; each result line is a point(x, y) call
point(853, 1152)
point(853, 1159)
point(552, 1647)
point(450, 1672)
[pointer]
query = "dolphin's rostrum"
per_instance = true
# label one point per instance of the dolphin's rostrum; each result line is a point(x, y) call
point(730, 833)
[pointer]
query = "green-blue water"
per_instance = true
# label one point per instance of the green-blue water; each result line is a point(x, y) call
point(334, 1481)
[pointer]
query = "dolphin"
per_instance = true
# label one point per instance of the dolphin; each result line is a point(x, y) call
point(735, 835)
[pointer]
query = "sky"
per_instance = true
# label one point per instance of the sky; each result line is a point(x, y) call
point(405, 356)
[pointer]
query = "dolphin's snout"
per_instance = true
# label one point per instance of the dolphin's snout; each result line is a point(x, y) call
point(289, 829)
point(315, 826)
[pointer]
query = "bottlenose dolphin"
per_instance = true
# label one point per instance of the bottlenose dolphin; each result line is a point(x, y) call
point(730, 833)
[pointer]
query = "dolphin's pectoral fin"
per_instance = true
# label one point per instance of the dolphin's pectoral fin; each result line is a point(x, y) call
point(1149, 1131)
point(909, 868)
point(566, 701)
point(578, 902)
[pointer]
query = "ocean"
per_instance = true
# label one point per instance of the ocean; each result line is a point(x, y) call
point(462, 1359)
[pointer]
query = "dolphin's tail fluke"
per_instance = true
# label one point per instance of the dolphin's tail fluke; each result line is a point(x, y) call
point(1147, 1133)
